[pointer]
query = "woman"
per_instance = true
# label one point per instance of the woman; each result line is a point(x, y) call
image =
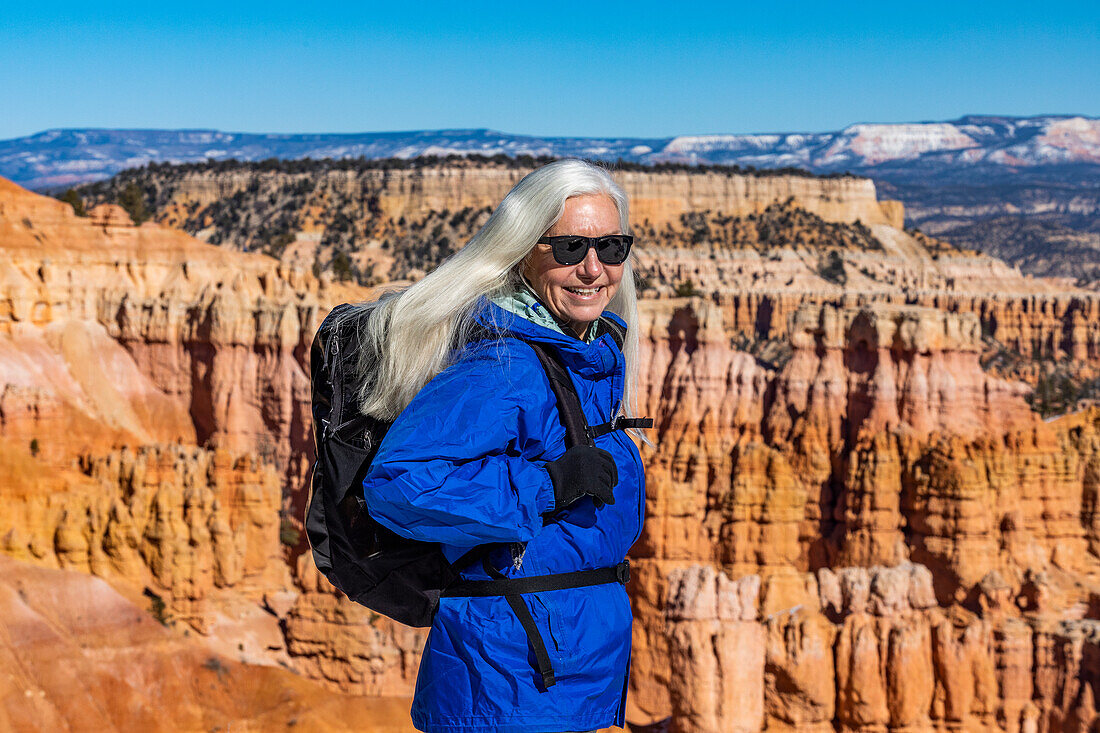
point(476, 456)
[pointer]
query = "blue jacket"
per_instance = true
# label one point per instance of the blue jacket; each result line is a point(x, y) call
point(463, 465)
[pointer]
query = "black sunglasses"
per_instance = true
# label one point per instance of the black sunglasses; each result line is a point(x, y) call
point(569, 249)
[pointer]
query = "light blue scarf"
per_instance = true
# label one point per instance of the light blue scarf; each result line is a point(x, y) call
point(524, 303)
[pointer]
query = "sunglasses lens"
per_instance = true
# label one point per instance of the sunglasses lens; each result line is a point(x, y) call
point(570, 250)
point(614, 249)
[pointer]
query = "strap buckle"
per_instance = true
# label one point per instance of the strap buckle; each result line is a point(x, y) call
point(619, 423)
point(622, 572)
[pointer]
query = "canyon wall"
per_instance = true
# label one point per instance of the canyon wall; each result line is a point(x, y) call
point(881, 443)
point(762, 244)
point(869, 649)
point(155, 432)
point(851, 523)
point(77, 655)
point(657, 198)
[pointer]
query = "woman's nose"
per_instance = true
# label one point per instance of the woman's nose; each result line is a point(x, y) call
point(591, 265)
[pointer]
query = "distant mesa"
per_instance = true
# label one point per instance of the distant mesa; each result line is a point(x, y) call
point(65, 157)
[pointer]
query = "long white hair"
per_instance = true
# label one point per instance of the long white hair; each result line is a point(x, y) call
point(412, 334)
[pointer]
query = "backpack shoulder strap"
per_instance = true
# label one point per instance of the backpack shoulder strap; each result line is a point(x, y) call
point(569, 405)
point(608, 325)
point(577, 430)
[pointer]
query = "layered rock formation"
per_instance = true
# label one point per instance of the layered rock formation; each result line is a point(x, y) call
point(377, 223)
point(899, 661)
point(879, 442)
point(761, 243)
point(850, 523)
point(148, 334)
point(183, 524)
point(79, 656)
point(154, 431)
point(347, 645)
point(657, 197)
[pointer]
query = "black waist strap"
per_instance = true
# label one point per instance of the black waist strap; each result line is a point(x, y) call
point(539, 583)
point(512, 588)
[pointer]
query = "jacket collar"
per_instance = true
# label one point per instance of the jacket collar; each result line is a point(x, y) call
point(595, 358)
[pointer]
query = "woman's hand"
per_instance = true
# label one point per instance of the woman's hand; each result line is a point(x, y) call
point(583, 471)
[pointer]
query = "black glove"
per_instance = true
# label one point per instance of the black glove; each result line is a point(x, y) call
point(583, 470)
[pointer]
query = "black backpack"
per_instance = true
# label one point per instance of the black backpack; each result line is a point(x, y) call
point(369, 563)
point(373, 566)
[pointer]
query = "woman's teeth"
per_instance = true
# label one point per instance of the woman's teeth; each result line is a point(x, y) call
point(585, 291)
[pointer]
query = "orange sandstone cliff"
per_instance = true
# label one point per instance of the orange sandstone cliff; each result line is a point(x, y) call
point(879, 455)
point(853, 522)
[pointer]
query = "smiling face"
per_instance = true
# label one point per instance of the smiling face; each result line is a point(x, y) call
point(577, 294)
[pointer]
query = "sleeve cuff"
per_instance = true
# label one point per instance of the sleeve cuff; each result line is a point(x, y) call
point(544, 497)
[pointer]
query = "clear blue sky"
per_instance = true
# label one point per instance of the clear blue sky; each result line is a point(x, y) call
point(562, 68)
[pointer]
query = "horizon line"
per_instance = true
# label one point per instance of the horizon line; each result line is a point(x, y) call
point(439, 130)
